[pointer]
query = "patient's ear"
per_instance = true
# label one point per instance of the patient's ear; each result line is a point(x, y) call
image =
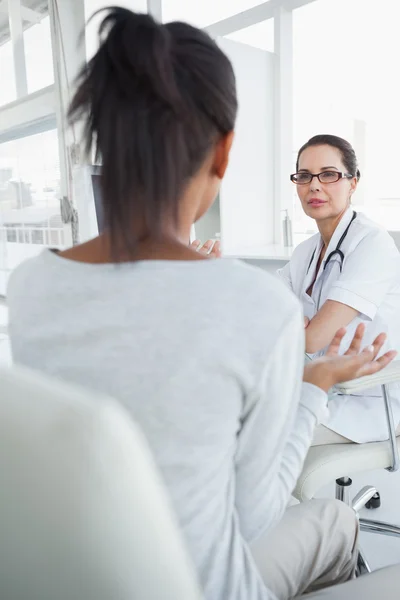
point(221, 156)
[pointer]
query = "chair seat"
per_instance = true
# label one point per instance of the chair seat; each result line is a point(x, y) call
point(325, 464)
point(389, 374)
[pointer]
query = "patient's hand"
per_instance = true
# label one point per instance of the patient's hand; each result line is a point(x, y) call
point(210, 248)
point(327, 371)
point(306, 322)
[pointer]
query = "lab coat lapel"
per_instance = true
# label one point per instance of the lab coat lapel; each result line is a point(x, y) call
point(337, 234)
point(324, 275)
point(310, 273)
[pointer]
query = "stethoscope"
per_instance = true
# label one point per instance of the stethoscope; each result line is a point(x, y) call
point(337, 250)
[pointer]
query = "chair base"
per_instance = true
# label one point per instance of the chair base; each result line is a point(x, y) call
point(363, 567)
point(375, 502)
point(381, 527)
point(362, 499)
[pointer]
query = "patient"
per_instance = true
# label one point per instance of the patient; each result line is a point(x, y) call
point(185, 341)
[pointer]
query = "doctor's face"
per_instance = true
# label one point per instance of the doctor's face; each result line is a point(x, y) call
point(322, 201)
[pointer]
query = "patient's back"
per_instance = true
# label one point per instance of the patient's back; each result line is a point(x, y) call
point(183, 346)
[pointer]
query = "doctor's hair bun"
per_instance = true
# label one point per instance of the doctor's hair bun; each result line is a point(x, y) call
point(349, 157)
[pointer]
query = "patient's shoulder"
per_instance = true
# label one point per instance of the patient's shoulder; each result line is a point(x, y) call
point(29, 276)
point(258, 290)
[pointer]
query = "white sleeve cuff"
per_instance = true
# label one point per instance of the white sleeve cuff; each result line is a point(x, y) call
point(367, 308)
point(315, 400)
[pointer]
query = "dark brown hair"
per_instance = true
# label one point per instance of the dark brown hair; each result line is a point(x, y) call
point(154, 99)
point(346, 150)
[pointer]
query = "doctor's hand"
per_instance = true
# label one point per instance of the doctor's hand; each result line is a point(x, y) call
point(210, 248)
point(331, 369)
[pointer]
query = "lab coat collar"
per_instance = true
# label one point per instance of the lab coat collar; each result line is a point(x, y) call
point(311, 275)
point(337, 234)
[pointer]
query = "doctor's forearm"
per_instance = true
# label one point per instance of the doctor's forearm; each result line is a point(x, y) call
point(318, 335)
point(323, 327)
point(316, 340)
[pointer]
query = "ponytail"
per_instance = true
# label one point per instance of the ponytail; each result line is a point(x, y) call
point(153, 100)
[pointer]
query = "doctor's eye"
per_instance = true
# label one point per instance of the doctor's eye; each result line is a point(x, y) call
point(329, 176)
point(301, 178)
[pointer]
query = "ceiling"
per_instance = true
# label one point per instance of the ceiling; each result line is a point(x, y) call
point(32, 12)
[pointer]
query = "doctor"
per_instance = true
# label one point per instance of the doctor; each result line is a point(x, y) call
point(347, 274)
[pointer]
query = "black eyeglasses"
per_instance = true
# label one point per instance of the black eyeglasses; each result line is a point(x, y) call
point(324, 177)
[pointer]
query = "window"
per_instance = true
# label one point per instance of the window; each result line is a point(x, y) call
point(5, 351)
point(260, 35)
point(38, 56)
point(205, 12)
point(29, 199)
point(7, 78)
point(345, 57)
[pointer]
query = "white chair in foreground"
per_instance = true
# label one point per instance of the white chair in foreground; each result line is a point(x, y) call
point(336, 462)
point(83, 513)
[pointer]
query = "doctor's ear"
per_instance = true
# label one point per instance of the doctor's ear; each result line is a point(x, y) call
point(353, 186)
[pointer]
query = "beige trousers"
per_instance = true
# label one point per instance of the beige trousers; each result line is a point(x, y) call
point(313, 547)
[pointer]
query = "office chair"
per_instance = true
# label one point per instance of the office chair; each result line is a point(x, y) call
point(334, 462)
point(83, 512)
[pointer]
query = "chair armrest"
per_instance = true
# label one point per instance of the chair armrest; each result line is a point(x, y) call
point(389, 374)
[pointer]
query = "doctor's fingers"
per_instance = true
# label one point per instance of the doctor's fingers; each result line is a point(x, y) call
point(208, 248)
point(216, 251)
point(203, 248)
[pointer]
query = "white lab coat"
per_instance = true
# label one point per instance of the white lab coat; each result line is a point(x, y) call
point(370, 283)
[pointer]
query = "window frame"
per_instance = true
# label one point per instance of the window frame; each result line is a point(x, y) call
point(33, 110)
point(282, 13)
point(44, 109)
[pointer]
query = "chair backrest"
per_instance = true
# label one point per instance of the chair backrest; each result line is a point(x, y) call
point(83, 512)
point(396, 236)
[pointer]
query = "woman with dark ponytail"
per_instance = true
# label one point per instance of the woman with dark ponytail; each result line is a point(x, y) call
point(206, 354)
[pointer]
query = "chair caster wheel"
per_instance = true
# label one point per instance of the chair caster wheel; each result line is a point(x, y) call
point(375, 501)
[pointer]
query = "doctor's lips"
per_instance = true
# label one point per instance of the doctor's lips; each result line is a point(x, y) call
point(316, 202)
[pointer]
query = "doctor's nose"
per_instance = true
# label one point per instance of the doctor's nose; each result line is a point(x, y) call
point(314, 185)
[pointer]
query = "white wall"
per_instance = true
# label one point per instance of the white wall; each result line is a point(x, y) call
point(271, 266)
point(210, 224)
point(247, 190)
